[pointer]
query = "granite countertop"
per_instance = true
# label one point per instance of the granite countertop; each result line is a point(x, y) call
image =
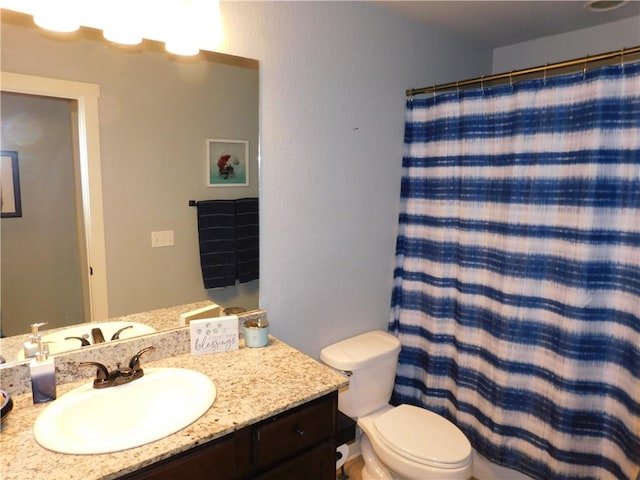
point(252, 384)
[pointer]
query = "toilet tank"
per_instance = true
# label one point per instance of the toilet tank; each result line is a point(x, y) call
point(372, 359)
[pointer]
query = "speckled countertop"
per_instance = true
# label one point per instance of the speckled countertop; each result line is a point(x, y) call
point(252, 384)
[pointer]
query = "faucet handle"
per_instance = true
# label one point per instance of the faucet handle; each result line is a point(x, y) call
point(83, 341)
point(116, 336)
point(134, 363)
point(102, 374)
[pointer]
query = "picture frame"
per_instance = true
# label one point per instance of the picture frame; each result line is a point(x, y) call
point(227, 163)
point(10, 199)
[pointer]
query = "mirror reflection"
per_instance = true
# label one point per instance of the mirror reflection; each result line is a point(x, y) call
point(42, 252)
point(156, 117)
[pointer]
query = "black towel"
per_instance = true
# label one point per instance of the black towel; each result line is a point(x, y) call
point(217, 238)
point(248, 239)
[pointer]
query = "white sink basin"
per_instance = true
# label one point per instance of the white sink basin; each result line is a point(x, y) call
point(88, 420)
point(58, 344)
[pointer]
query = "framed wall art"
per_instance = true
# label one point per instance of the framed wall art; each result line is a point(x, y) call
point(227, 163)
point(11, 204)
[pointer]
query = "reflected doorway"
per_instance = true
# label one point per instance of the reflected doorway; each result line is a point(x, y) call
point(86, 149)
point(43, 259)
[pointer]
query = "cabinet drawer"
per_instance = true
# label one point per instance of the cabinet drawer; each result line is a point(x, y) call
point(316, 464)
point(291, 433)
point(213, 460)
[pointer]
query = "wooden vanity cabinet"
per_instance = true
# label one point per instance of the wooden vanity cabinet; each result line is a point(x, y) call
point(210, 461)
point(295, 444)
point(316, 464)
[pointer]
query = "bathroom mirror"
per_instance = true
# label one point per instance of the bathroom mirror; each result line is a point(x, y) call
point(156, 115)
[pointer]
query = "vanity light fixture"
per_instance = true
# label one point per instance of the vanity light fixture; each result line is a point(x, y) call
point(185, 26)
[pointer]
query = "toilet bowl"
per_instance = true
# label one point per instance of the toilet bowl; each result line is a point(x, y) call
point(414, 443)
point(404, 442)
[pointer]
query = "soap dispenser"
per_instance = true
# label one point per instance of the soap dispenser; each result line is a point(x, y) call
point(31, 348)
point(43, 375)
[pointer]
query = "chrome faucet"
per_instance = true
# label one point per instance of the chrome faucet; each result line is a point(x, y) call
point(119, 376)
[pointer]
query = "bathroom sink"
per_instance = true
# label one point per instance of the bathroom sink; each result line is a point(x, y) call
point(88, 420)
point(57, 343)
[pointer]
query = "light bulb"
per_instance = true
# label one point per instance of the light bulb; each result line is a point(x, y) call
point(184, 46)
point(122, 20)
point(121, 34)
point(60, 16)
point(56, 23)
point(182, 36)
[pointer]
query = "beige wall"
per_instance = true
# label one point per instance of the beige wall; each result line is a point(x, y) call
point(155, 116)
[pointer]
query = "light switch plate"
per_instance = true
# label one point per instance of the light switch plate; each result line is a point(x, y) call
point(162, 239)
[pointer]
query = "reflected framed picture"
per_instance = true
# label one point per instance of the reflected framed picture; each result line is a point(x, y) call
point(227, 163)
point(10, 185)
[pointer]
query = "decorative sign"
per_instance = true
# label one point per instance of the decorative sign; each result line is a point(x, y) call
point(211, 335)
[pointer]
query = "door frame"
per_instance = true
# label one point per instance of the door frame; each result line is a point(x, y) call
point(86, 95)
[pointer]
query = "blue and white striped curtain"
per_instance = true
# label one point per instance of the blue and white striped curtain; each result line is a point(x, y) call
point(517, 283)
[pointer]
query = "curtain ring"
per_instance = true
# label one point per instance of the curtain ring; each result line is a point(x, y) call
point(482, 83)
point(434, 94)
point(458, 89)
point(622, 59)
point(544, 78)
point(511, 80)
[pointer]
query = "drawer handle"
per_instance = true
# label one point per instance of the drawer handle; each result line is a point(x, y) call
point(299, 431)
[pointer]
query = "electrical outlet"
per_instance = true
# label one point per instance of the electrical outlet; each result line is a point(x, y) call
point(162, 239)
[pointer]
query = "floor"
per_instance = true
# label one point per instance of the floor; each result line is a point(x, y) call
point(352, 469)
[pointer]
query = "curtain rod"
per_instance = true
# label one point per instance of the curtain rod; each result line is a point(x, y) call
point(516, 73)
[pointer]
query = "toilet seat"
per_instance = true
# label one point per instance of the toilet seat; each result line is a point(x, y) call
point(423, 437)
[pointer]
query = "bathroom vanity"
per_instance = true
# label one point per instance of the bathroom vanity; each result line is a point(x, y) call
point(274, 417)
point(297, 444)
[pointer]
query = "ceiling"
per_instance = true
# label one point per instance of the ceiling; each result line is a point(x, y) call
point(499, 23)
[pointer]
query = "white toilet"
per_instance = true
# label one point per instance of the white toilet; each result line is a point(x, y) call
point(403, 442)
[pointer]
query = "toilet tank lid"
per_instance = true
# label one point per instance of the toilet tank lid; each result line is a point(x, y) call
point(360, 351)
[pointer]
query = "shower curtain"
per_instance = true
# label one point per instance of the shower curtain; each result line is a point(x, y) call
point(517, 285)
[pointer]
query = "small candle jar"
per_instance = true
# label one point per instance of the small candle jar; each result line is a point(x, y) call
point(256, 332)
